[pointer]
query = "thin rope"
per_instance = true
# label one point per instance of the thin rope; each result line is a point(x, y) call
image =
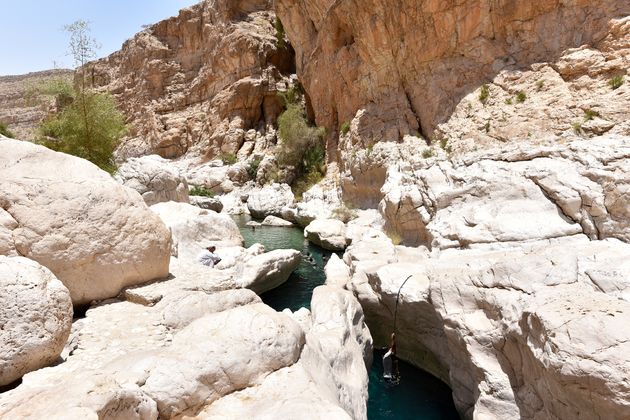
point(397, 296)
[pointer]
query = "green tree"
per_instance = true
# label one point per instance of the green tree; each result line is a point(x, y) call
point(87, 123)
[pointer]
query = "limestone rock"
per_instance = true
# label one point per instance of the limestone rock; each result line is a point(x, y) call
point(287, 393)
point(35, 314)
point(154, 178)
point(514, 194)
point(327, 233)
point(276, 221)
point(203, 82)
point(270, 200)
point(510, 328)
point(95, 235)
point(337, 272)
point(338, 350)
point(268, 271)
point(194, 228)
point(23, 110)
point(398, 62)
point(207, 203)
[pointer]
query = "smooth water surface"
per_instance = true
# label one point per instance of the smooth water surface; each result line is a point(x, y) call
point(297, 291)
point(419, 395)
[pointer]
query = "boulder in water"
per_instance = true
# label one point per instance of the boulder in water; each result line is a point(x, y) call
point(329, 234)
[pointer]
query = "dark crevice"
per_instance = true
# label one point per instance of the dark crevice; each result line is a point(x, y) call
point(415, 114)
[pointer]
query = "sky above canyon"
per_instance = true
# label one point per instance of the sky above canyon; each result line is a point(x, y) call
point(32, 32)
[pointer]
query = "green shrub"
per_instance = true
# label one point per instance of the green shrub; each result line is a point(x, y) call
point(345, 213)
point(201, 191)
point(616, 82)
point(509, 101)
point(229, 158)
point(305, 182)
point(427, 153)
point(298, 140)
point(90, 127)
point(521, 97)
point(589, 114)
point(252, 168)
point(6, 132)
point(345, 128)
point(280, 34)
point(577, 128)
point(484, 94)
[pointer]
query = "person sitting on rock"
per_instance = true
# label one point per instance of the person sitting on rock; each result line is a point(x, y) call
point(390, 363)
point(208, 257)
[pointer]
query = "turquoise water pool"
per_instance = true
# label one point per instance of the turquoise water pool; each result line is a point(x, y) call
point(419, 395)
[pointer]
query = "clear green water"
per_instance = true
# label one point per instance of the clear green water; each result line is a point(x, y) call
point(419, 396)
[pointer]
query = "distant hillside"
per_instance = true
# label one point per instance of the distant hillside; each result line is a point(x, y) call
point(20, 113)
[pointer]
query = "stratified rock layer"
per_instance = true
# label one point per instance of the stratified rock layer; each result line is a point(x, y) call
point(94, 234)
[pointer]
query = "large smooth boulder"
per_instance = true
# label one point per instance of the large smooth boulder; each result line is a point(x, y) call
point(35, 317)
point(94, 234)
point(270, 200)
point(329, 234)
point(194, 228)
point(269, 270)
point(155, 178)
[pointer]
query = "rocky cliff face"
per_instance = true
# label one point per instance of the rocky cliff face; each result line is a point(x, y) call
point(203, 81)
point(20, 108)
point(402, 67)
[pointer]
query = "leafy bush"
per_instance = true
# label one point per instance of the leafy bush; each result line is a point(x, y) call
point(521, 97)
point(345, 213)
point(304, 183)
point(616, 82)
point(427, 153)
point(200, 191)
point(484, 94)
point(229, 158)
point(90, 127)
point(5, 131)
point(87, 124)
point(345, 128)
point(252, 168)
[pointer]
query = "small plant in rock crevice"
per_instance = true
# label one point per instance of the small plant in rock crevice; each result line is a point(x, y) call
point(577, 128)
point(427, 153)
point(589, 114)
point(521, 97)
point(6, 132)
point(540, 85)
point(345, 128)
point(484, 94)
point(616, 82)
point(509, 101)
point(252, 168)
point(200, 191)
point(344, 213)
point(228, 158)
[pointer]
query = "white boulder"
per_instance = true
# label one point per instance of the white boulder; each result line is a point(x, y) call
point(269, 270)
point(35, 317)
point(155, 178)
point(94, 234)
point(269, 200)
point(276, 221)
point(329, 234)
point(208, 203)
point(194, 228)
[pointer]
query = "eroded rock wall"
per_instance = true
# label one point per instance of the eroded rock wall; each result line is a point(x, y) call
point(402, 67)
point(204, 81)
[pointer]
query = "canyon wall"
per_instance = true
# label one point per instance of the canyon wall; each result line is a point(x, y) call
point(204, 81)
point(402, 67)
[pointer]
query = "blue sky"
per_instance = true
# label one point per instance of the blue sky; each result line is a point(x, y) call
point(32, 36)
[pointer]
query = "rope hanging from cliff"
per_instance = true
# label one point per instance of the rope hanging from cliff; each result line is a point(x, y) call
point(397, 296)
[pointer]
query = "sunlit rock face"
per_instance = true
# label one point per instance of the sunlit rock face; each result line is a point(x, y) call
point(402, 67)
point(204, 81)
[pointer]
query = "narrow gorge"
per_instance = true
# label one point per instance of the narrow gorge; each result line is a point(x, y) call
point(456, 173)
